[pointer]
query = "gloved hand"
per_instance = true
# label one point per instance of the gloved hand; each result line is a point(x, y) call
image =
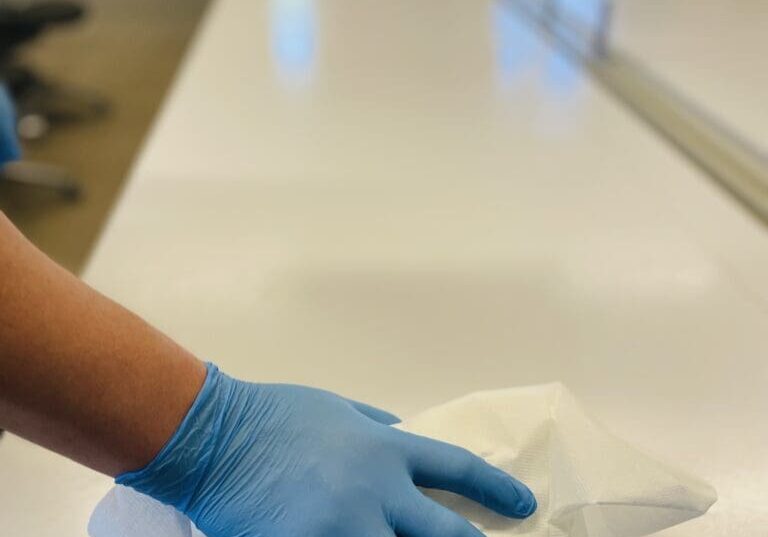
point(9, 145)
point(272, 460)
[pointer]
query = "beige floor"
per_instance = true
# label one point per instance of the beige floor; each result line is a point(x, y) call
point(128, 51)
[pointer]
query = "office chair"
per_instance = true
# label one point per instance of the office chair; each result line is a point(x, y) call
point(39, 102)
point(41, 176)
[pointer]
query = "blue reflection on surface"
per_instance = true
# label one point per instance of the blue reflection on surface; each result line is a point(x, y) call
point(293, 39)
point(510, 43)
point(564, 78)
point(584, 12)
point(517, 46)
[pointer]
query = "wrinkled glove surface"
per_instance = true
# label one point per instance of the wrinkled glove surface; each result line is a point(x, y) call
point(273, 460)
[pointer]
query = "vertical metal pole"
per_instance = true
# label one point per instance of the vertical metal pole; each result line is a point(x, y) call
point(601, 37)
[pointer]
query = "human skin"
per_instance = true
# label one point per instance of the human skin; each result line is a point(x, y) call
point(82, 376)
point(79, 374)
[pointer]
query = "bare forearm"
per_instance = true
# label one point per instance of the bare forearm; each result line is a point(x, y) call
point(78, 373)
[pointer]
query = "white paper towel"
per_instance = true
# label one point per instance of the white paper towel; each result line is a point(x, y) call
point(588, 482)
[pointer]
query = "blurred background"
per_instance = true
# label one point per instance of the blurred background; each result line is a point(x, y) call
point(88, 77)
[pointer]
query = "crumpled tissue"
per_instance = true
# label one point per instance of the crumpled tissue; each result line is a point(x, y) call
point(588, 482)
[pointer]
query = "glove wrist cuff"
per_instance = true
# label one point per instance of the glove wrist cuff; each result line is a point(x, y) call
point(172, 476)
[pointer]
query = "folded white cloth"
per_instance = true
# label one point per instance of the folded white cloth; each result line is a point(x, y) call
point(588, 482)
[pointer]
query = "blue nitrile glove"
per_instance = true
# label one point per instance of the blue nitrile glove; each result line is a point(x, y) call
point(9, 145)
point(271, 460)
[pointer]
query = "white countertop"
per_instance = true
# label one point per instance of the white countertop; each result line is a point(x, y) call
point(406, 201)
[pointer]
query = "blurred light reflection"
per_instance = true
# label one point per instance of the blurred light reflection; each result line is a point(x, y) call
point(585, 13)
point(293, 40)
point(563, 76)
point(517, 47)
point(512, 42)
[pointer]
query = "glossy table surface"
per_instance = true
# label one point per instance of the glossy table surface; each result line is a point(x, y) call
point(713, 52)
point(406, 201)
